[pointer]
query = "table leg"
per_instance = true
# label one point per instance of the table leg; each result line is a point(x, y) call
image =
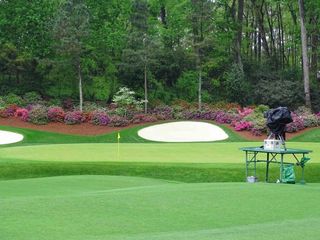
point(267, 170)
point(246, 165)
point(281, 168)
point(255, 164)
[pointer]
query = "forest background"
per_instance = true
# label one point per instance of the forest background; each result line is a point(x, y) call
point(204, 51)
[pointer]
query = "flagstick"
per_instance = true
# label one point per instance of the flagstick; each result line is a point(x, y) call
point(118, 154)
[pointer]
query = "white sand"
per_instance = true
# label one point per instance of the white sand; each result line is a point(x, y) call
point(186, 131)
point(9, 137)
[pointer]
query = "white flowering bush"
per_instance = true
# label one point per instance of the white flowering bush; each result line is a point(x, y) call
point(126, 101)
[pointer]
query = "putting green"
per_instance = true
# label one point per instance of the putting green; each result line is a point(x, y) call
point(142, 152)
point(117, 208)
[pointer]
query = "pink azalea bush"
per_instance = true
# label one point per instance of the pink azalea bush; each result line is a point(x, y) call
point(243, 125)
point(75, 117)
point(296, 125)
point(22, 113)
point(244, 112)
point(56, 114)
point(118, 121)
point(143, 118)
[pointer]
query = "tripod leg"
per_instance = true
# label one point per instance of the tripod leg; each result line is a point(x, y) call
point(283, 142)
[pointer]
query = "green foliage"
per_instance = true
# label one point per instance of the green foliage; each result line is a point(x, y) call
point(236, 85)
point(2, 103)
point(111, 43)
point(261, 109)
point(101, 88)
point(12, 98)
point(187, 86)
point(257, 118)
point(279, 93)
point(32, 97)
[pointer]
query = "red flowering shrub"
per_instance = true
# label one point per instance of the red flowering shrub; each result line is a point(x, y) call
point(117, 121)
point(75, 117)
point(56, 114)
point(143, 118)
point(87, 116)
point(22, 113)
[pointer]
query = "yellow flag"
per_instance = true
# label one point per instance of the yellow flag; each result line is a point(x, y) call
point(118, 136)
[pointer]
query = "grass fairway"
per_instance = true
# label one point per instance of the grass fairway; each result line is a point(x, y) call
point(148, 152)
point(117, 208)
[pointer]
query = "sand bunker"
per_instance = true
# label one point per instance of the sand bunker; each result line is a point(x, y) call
point(9, 137)
point(186, 131)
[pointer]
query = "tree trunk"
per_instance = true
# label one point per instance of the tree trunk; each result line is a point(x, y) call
point(270, 23)
point(200, 89)
point(260, 20)
point(314, 48)
point(239, 32)
point(80, 87)
point(304, 55)
point(145, 90)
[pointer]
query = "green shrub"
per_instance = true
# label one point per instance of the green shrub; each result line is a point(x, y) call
point(91, 106)
point(12, 98)
point(2, 103)
point(236, 85)
point(54, 102)
point(38, 115)
point(32, 98)
point(311, 120)
point(257, 119)
point(187, 86)
point(261, 109)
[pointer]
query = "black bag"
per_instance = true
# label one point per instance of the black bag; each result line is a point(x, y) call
point(277, 119)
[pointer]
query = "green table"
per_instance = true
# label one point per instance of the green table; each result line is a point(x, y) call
point(272, 156)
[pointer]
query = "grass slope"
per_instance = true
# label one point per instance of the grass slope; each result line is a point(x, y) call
point(99, 207)
point(151, 152)
point(33, 137)
point(312, 135)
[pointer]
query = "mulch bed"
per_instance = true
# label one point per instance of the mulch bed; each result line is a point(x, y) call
point(90, 129)
point(77, 129)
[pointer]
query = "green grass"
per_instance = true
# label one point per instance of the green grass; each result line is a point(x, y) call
point(178, 198)
point(187, 162)
point(34, 137)
point(312, 135)
point(117, 208)
point(151, 152)
point(188, 172)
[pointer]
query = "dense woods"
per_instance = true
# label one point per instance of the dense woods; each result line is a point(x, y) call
point(204, 51)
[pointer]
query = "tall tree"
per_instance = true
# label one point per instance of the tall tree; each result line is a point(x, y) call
point(71, 30)
point(305, 60)
point(239, 32)
point(201, 15)
point(138, 55)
